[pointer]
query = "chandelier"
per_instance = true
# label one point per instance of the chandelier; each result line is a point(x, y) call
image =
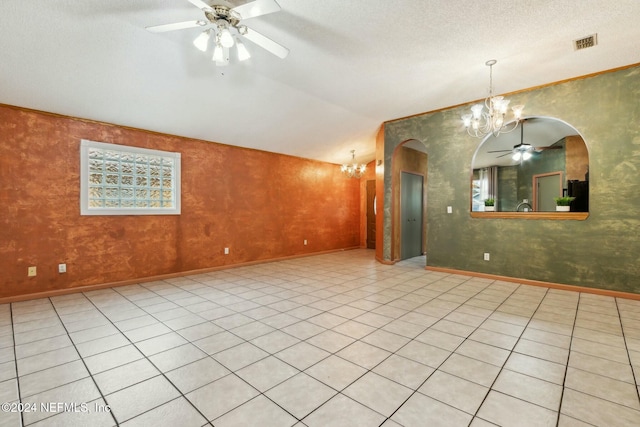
point(491, 116)
point(353, 170)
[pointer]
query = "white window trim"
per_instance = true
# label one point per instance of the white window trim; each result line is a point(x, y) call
point(85, 145)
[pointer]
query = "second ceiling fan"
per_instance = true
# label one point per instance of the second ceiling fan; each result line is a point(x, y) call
point(523, 151)
point(223, 24)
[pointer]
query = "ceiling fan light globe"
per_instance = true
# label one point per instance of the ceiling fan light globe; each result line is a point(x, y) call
point(202, 41)
point(526, 155)
point(516, 156)
point(226, 39)
point(218, 54)
point(243, 53)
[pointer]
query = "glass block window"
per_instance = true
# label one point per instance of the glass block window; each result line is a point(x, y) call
point(123, 180)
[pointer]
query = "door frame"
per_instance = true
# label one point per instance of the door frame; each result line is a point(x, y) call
point(535, 186)
point(422, 212)
point(397, 167)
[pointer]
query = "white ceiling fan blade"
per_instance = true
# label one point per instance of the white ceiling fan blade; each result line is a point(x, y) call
point(266, 43)
point(256, 8)
point(176, 26)
point(199, 4)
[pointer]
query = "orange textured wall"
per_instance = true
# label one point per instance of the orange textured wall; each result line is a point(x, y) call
point(261, 205)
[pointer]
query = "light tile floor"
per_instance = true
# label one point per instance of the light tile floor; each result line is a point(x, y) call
point(327, 340)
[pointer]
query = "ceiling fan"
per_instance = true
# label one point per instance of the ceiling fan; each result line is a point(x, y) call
point(224, 24)
point(523, 151)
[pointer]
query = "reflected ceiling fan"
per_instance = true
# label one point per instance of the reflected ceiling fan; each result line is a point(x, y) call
point(223, 24)
point(521, 152)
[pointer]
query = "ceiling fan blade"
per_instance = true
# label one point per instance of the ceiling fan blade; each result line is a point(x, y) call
point(176, 26)
point(266, 43)
point(199, 4)
point(255, 8)
point(506, 154)
point(498, 151)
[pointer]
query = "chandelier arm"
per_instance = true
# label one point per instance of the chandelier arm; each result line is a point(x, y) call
point(511, 127)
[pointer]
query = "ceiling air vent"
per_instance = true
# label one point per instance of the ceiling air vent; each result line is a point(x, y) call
point(586, 42)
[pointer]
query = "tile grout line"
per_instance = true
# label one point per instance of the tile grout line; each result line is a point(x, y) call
point(367, 370)
point(244, 284)
point(444, 361)
point(81, 358)
point(211, 356)
point(454, 350)
point(348, 319)
point(475, 415)
point(624, 337)
point(208, 356)
point(301, 371)
point(387, 418)
point(15, 360)
point(153, 364)
point(635, 384)
point(566, 370)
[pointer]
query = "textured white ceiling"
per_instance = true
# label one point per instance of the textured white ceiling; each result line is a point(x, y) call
point(352, 66)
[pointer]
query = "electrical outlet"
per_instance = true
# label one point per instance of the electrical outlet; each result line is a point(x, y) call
point(449, 209)
point(226, 251)
point(31, 272)
point(487, 257)
point(62, 268)
point(305, 242)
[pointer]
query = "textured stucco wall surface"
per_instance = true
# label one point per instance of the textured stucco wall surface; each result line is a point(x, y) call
point(260, 205)
point(601, 252)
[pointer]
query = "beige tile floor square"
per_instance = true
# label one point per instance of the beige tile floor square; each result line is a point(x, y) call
point(327, 340)
point(289, 395)
point(464, 395)
point(378, 393)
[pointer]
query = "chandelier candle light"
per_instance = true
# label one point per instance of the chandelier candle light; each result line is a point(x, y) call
point(481, 122)
point(353, 170)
